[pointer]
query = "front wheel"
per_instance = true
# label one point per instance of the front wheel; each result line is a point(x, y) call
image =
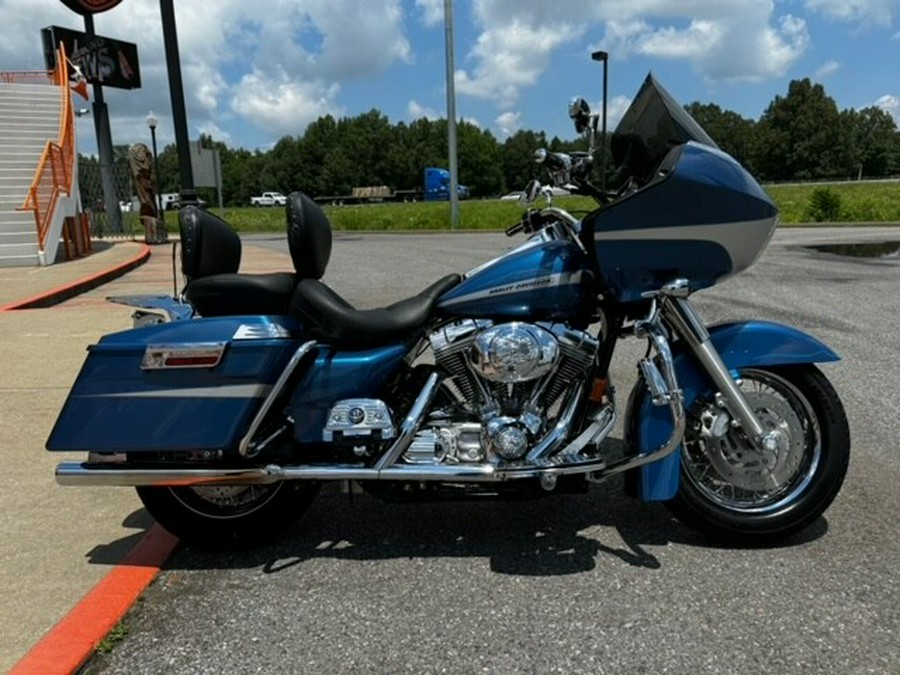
point(734, 491)
point(228, 516)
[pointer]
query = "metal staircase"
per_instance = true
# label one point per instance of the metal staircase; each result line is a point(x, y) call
point(29, 117)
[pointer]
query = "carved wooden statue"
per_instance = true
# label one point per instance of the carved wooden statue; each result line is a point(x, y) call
point(140, 160)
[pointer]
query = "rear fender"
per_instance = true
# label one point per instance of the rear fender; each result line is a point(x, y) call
point(741, 345)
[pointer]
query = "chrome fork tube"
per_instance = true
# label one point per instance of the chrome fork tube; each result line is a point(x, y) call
point(685, 321)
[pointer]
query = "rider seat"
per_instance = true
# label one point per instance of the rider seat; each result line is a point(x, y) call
point(210, 258)
point(330, 318)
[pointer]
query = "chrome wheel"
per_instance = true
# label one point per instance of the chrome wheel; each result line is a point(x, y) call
point(753, 496)
point(726, 467)
point(228, 516)
point(226, 501)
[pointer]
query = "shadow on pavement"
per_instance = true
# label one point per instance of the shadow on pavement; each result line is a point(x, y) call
point(544, 537)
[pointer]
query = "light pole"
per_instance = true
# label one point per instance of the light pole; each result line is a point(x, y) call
point(152, 121)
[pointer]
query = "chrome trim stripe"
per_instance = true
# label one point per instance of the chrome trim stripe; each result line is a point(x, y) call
point(744, 240)
point(266, 331)
point(542, 282)
point(219, 391)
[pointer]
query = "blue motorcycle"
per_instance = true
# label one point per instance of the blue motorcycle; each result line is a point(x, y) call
point(229, 406)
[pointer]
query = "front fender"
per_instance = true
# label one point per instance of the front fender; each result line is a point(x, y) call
point(751, 344)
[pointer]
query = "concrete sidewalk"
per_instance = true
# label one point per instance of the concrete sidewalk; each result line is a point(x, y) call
point(58, 543)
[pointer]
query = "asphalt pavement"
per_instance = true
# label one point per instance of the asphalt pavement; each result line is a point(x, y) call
point(586, 583)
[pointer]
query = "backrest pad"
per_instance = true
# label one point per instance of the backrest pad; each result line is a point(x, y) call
point(208, 245)
point(309, 236)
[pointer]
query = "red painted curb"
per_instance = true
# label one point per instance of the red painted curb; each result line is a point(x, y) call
point(63, 293)
point(70, 643)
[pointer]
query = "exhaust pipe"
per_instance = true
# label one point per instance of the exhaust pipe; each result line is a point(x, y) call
point(92, 474)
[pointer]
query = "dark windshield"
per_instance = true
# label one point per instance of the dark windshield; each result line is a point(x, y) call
point(653, 124)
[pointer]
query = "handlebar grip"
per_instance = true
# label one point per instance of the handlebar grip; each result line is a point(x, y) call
point(514, 229)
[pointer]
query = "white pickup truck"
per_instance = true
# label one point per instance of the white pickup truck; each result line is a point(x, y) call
point(269, 199)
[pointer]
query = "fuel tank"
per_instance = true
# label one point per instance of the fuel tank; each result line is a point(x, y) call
point(540, 280)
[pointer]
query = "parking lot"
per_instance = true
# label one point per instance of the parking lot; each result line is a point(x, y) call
point(590, 583)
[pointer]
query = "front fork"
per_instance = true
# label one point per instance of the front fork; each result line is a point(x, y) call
point(672, 308)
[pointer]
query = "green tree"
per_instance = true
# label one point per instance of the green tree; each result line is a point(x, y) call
point(731, 132)
point(316, 144)
point(479, 158)
point(800, 136)
point(871, 133)
point(518, 158)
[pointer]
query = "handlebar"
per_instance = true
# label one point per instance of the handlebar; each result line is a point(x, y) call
point(555, 161)
point(571, 171)
point(533, 220)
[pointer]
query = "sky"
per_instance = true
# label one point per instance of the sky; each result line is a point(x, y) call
point(255, 71)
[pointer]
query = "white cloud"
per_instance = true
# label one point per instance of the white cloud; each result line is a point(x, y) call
point(284, 106)
point(432, 11)
point(730, 40)
point(509, 57)
point(740, 46)
point(415, 111)
point(827, 69)
point(253, 59)
point(508, 123)
point(876, 12)
point(274, 65)
point(891, 104)
point(690, 43)
point(359, 37)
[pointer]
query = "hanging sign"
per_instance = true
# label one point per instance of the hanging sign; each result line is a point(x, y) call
point(90, 6)
point(102, 60)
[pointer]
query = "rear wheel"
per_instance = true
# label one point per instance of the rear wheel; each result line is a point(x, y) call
point(732, 490)
point(228, 516)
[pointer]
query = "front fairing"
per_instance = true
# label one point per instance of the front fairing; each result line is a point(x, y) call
point(703, 218)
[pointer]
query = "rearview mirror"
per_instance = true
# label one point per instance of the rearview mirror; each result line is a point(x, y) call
point(532, 190)
point(580, 114)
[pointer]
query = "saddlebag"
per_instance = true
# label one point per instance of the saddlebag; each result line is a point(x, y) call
point(177, 386)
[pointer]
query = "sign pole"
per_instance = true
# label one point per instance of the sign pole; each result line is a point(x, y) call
point(451, 115)
point(104, 148)
point(176, 93)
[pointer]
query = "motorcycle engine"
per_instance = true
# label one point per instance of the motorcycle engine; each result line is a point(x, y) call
point(507, 378)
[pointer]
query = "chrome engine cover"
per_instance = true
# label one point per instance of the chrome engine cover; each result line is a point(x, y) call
point(514, 352)
point(509, 378)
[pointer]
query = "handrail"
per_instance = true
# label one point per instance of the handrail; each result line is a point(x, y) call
point(55, 171)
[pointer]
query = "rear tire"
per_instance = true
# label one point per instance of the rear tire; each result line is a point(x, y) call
point(228, 516)
point(736, 493)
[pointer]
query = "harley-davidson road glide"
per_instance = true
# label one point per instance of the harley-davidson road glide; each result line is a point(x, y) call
point(229, 405)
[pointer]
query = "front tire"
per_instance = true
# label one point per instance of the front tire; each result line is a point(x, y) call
point(733, 491)
point(228, 516)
